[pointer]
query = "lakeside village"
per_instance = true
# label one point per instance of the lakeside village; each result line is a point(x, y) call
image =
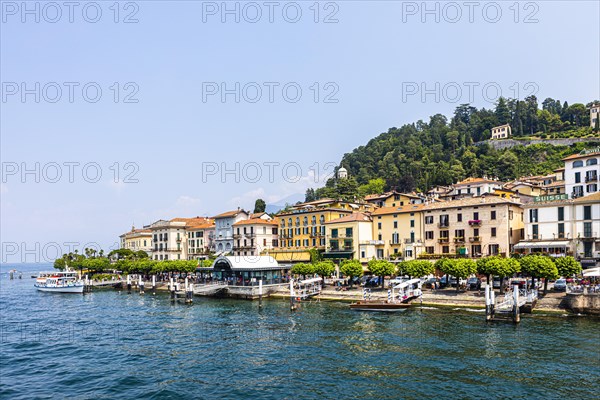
point(535, 232)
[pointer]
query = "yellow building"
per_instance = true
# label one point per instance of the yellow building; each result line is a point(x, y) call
point(350, 237)
point(302, 228)
point(137, 239)
point(398, 231)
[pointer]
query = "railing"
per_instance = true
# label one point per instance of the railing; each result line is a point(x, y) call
point(395, 242)
point(589, 235)
point(444, 240)
point(591, 178)
point(475, 239)
point(475, 222)
point(443, 225)
point(337, 249)
point(237, 235)
point(459, 239)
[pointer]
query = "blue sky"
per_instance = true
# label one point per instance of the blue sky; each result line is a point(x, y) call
point(177, 51)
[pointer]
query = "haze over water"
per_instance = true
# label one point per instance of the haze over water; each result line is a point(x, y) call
point(111, 344)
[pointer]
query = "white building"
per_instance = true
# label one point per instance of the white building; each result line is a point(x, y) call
point(137, 239)
point(200, 238)
point(594, 114)
point(224, 229)
point(255, 236)
point(581, 173)
point(169, 239)
point(560, 226)
point(475, 187)
point(501, 132)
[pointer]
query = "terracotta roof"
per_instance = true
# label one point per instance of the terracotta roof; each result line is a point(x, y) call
point(555, 183)
point(133, 231)
point(299, 212)
point(472, 202)
point(470, 181)
point(206, 224)
point(590, 197)
point(230, 214)
point(389, 194)
point(255, 221)
point(354, 217)
point(579, 155)
point(399, 210)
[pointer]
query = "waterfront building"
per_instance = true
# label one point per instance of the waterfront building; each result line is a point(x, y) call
point(169, 239)
point(501, 132)
point(245, 271)
point(398, 232)
point(473, 226)
point(561, 226)
point(394, 199)
point(224, 229)
point(302, 227)
point(581, 173)
point(255, 236)
point(200, 235)
point(350, 237)
point(137, 239)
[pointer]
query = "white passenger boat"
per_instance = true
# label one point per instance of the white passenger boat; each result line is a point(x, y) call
point(59, 282)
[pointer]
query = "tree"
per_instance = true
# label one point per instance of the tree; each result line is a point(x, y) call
point(310, 195)
point(374, 186)
point(416, 268)
point(567, 266)
point(381, 268)
point(259, 206)
point(498, 266)
point(303, 269)
point(502, 112)
point(351, 269)
point(324, 268)
point(459, 268)
point(538, 266)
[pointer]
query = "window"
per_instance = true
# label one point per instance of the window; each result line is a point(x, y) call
point(587, 212)
point(577, 164)
point(561, 213)
point(494, 249)
point(429, 219)
point(334, 233)
point(459, 233)
point(459, 217)
point(592, 188)
point(476, 216)
point(533, 215)
point(395, 224)
point(349, 232)
point(444, 220)
point(429, 235)
point(445, 249)
point(409, 253)
point(429, 250)
point(476, 232)
point(412, 223)
point(379, 225)
point(534, 232)
point(493, 216)
point(591, 161)
point(561, 230)
point(587, 230)
point(493, 232)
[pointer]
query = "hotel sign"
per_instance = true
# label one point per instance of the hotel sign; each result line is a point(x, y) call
point(555, 197)
point(589, 151)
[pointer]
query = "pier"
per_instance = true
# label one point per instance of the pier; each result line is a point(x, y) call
point(511, 306)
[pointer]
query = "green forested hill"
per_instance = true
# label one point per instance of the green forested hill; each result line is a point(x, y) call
point(421, 155)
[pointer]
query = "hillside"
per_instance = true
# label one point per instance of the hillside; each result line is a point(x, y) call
point(421, 155)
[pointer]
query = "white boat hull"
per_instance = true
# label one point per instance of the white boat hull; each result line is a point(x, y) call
point(65, 289)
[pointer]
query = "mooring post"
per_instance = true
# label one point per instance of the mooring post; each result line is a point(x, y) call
point(488, 303)
point(493, 302)
point(141, 285)
point(128, 284)
point(153, 284)
point(292, 295)
point(172, 289)
point(188, 291)
point(260, 293)
point(516, 308)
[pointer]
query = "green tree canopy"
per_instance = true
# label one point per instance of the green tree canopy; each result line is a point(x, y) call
point(351, 268)
point(539, 266)
point(381, 268)
point(567, 266)
point(416, 268)
point(260, 206)
point(498, 266)
point(324, 268)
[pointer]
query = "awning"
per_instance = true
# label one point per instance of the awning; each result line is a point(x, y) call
point(407, 283)
point(312, 280)
point(591, 272)
point(339, 254)
point(538, 244)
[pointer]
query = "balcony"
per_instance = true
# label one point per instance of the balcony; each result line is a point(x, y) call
point(593, 178)
point(459, 239)
point(444, 240)
point(589, 236)
point(395, 242)
point(237, 235)
point(475, 222)
point(341, 249)
point(246, 247)
point(250, 234)
point(475, 239)
point(443, 225)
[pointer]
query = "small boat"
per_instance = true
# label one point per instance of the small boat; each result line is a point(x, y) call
point(308, 288)
point(59, 282)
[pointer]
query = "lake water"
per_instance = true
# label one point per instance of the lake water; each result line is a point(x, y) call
point(110, 344)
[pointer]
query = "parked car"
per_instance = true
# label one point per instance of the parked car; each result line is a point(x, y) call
point(430, 283)
point(474, 283)
point(560, 285)
point(364, 279)
point(373, 282)
point(444, 283)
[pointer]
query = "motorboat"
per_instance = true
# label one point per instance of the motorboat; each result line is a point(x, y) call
point(59, 282)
